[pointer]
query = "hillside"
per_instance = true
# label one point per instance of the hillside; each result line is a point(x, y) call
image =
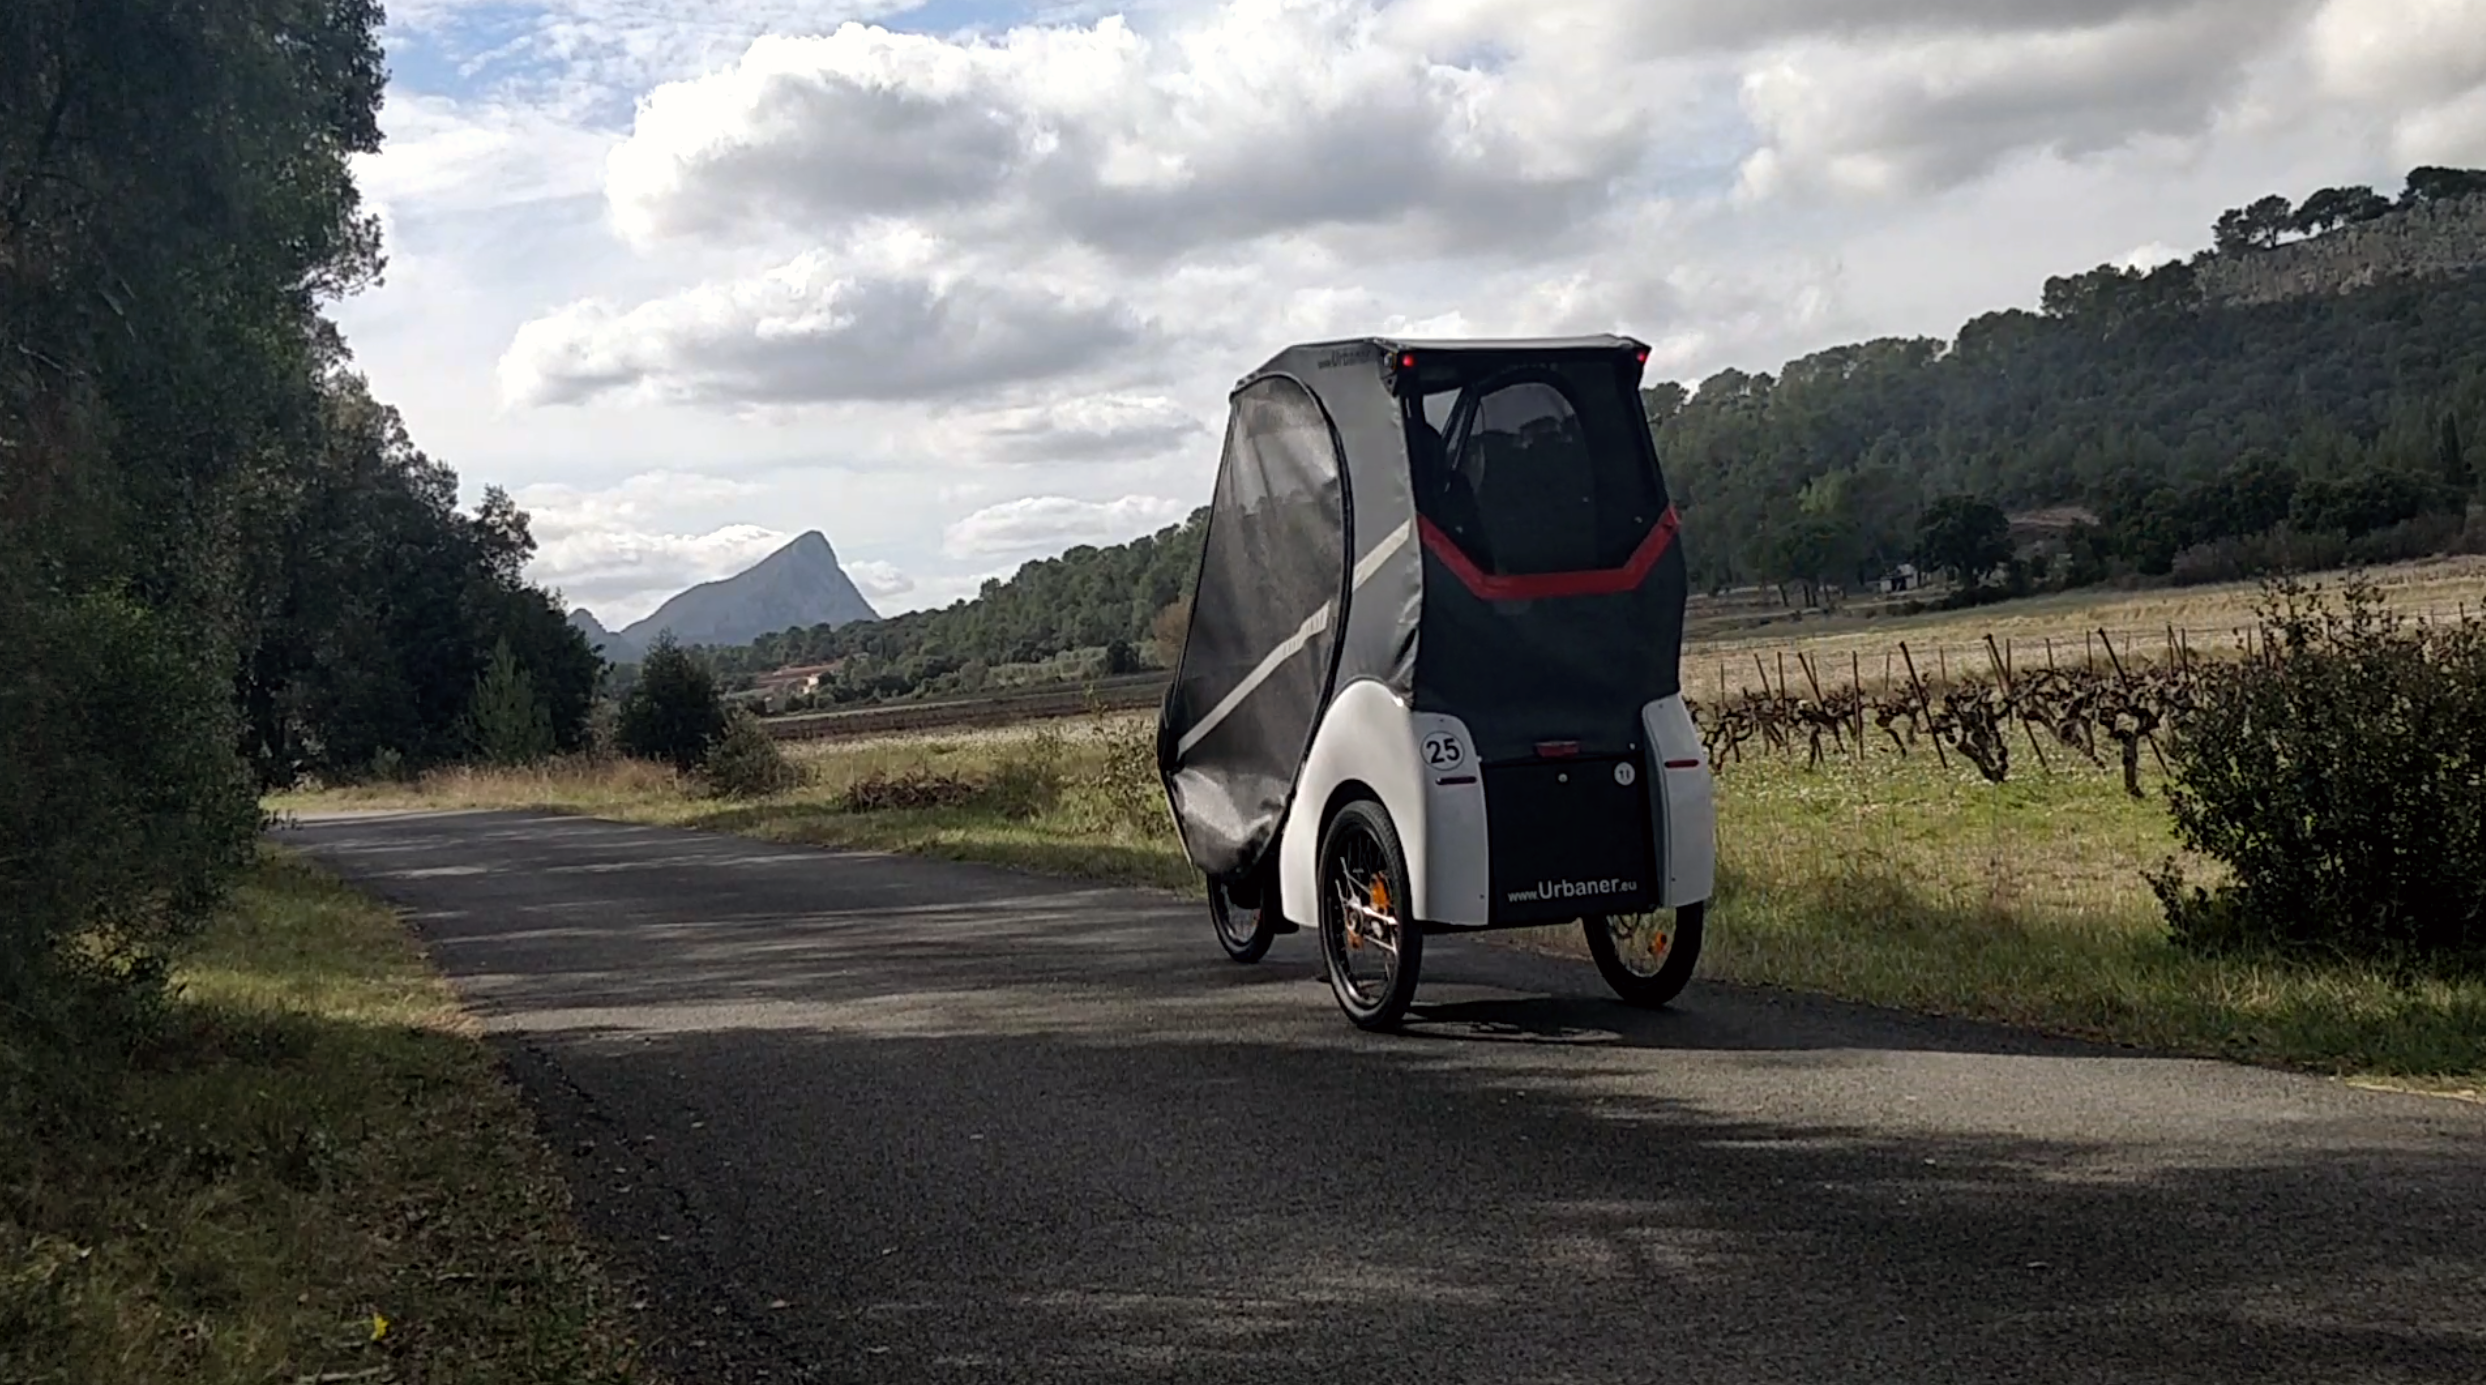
point(613, 647)
point(2310, 390)
point(1106, 601)
point(2320, 378)
point(800, 586)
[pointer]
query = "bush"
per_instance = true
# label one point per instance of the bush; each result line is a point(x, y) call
point(914, 791)
point(1028, 782)
point(1124, 795)
point(673, 711)
point(125, 808)
point(2341, 779)
point(746, 762)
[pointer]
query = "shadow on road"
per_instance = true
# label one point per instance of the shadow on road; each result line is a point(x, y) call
point(963, 1122)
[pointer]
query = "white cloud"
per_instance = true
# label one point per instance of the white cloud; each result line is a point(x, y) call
point(1050, 523)
point(945, 297)
point(879, 580)
point(1892, 117)
point(614, 550)
point(2421, 61)
point(1088, 428)
point(812, 331)
point(1257, 118)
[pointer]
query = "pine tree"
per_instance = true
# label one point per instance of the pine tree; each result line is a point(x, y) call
point(507, 724)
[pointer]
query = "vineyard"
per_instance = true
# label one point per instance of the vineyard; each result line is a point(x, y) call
point(2105, 711)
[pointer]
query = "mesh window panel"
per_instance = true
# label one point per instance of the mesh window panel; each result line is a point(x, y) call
point(1538, 471)
point(1263, 626)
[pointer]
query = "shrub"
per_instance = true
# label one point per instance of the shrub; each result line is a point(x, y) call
point(673, 711)
point(746, 762)
point(125, 809)
point(1029, 780)
point(1124, 795)
point(914, 791)
point(2341, 779)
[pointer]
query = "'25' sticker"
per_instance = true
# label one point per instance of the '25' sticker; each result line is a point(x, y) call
point(1442, 751)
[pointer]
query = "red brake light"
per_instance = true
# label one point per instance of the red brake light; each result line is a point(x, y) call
point(1557, 750)
point(1407, 361)
point(1642, 354)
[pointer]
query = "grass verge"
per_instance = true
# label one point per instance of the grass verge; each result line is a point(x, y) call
point(1888, 880)
point(311, 1169)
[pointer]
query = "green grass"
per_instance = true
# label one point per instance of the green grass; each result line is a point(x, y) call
point(1889, 880)
point(313, 1144)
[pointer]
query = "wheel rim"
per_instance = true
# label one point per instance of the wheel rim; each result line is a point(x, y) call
point(1643, 942)
point(1364, 929)
point(1237, 925)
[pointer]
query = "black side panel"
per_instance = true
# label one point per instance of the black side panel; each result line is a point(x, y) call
point(1256, 662)
point(1569, 838)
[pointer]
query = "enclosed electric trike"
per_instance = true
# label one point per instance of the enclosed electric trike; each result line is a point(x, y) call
point(1431, 678)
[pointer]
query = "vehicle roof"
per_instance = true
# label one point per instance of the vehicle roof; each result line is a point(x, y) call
point(1460, 345)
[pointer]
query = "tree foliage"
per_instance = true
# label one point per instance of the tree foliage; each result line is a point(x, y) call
point(2131, 394)
point(1089, 598)
point(222, 564)
point(673, 711)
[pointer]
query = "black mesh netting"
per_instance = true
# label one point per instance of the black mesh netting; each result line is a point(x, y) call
point(1263, 627)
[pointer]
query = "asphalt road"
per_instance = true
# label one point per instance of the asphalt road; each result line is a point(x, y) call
point(885, 1119)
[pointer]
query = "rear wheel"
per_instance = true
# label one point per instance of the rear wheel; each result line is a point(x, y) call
point(1647, 958)
point(1245, 932)
point(1369, 941)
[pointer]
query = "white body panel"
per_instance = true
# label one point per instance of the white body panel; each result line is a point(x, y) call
point(1423, 769)
point(1686, 803)
point(1370, 737)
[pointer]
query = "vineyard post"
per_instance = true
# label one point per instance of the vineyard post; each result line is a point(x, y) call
point(2050, 654)
point(1918, 684)
point(1837, 728)
point(2002, 666)
point(1855, 675)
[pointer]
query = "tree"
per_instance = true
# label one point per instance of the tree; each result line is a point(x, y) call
point(1965, 537)
point(1167, 632)
point(507, 723)
point(1810, 549)
point(2344, 206)
point(673, 712)
point(2433, 184)
point(2257, 227)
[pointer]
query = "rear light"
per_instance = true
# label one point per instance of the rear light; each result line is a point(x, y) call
point(1641, 355)
point(1407, 360)
point(1683, 764)
point(1557, 750)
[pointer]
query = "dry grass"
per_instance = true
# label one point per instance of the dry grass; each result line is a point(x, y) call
point(1891, 881)
point(2065, 628)
point(315, 1172)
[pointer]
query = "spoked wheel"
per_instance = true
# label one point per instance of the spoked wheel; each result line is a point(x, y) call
point(1245, 933)
point(1647, 958)
point(1372, 948)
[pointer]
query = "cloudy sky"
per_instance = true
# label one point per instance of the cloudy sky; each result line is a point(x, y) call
point(963, 282)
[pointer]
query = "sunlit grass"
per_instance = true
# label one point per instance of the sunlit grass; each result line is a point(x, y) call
point(315, 1171)
point(1889, 880)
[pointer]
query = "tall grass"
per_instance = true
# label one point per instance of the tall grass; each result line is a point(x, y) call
point(1889, 880)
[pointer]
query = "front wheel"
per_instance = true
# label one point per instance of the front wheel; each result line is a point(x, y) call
point(1371, 944)
point(1245, 933)
point(1647, 958)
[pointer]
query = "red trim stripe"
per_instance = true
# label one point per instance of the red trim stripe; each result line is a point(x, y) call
point(1549, 586)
